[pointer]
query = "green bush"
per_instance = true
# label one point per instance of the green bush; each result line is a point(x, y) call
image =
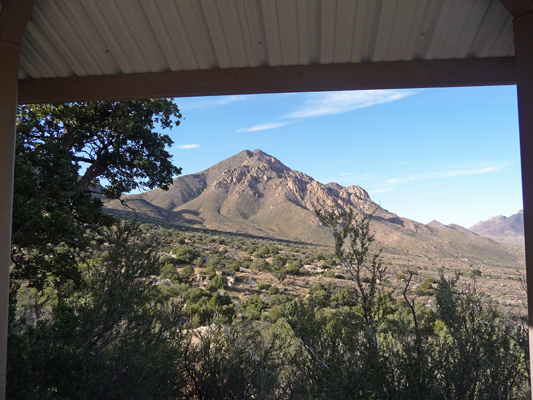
point(273, 290)
point(263, 251)
point(217, 282)
point(254, 307)
point(187, 272)
point(210, 271)
point(170, 271)
point(235, 267)
point(185, 254)
point(261, 265)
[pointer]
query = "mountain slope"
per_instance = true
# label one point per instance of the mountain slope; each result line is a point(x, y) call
point(254, 193)
point(502, 229)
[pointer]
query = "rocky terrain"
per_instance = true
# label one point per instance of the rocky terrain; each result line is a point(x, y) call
point(253, 193)
point(509, 230)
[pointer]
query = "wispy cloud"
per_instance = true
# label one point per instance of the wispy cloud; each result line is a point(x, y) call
point(262, 127)
point(208, 102)
point(442, 174)
point(327, 103)
point(461, 172)
point(340, 102)
point(188, 146)
point(381, 190)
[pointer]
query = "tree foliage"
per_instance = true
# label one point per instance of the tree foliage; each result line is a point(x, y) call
point(92, 318)
point(114, 336)
point(358, 260)
point(67, 153)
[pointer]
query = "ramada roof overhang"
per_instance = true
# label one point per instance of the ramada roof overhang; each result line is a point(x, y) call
point(81, 50)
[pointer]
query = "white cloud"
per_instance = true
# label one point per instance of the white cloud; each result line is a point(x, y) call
point(381, 190)
point(271, 125)
point(340, 102)
point(188, 146)
point(450, 174)
point(440, 175)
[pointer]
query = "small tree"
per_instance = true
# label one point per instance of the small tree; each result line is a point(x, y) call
point(353, 239)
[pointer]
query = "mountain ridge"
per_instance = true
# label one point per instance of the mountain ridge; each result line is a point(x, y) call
point(509, 230)
point(254, 193)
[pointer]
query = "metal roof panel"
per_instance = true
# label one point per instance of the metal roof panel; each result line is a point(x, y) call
point(69, 38)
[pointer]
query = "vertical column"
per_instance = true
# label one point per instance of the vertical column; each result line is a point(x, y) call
point(9, 65)
point(523, 42)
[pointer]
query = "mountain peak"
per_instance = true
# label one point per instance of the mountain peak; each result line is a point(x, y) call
point(503, 229)
point(436, 224)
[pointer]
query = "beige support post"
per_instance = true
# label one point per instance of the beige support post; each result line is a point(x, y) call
point(9, 65)
point(523, 42)
point(14, 15)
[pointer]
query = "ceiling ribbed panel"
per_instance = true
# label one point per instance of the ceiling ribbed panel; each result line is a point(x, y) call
point(68, 38)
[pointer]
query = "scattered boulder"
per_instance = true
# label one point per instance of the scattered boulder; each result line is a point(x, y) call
point(313, 269)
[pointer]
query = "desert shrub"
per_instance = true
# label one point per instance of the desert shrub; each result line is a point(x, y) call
point(263, 251)
point(217, 282)
point(187, 272)
point(251, 250)
point(235, 267)
point(261, 265)
point(273, 290)
point(185, 254)
point(198, 261)
point(292, 270)
point(253, 307)
point(278, 299)
point(170, 271)
point(210, 271)
point(168, 260)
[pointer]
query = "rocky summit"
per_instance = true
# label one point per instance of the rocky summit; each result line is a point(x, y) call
point(502, 229)
point(254, 193)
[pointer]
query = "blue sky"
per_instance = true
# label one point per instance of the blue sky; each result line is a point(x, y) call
point(448, 154)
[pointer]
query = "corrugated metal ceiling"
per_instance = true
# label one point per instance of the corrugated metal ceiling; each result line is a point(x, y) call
point(70, 38)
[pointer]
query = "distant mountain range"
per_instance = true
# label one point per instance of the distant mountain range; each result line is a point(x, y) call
point(254, 193)
point(508, 230)
point(502, 229)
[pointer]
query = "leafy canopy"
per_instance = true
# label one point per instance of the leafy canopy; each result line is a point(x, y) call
point(66, 155)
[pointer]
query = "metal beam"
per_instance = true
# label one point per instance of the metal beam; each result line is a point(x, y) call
point(386, 75)
point(14, 16)
point(518, 8)
point(523, 42)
